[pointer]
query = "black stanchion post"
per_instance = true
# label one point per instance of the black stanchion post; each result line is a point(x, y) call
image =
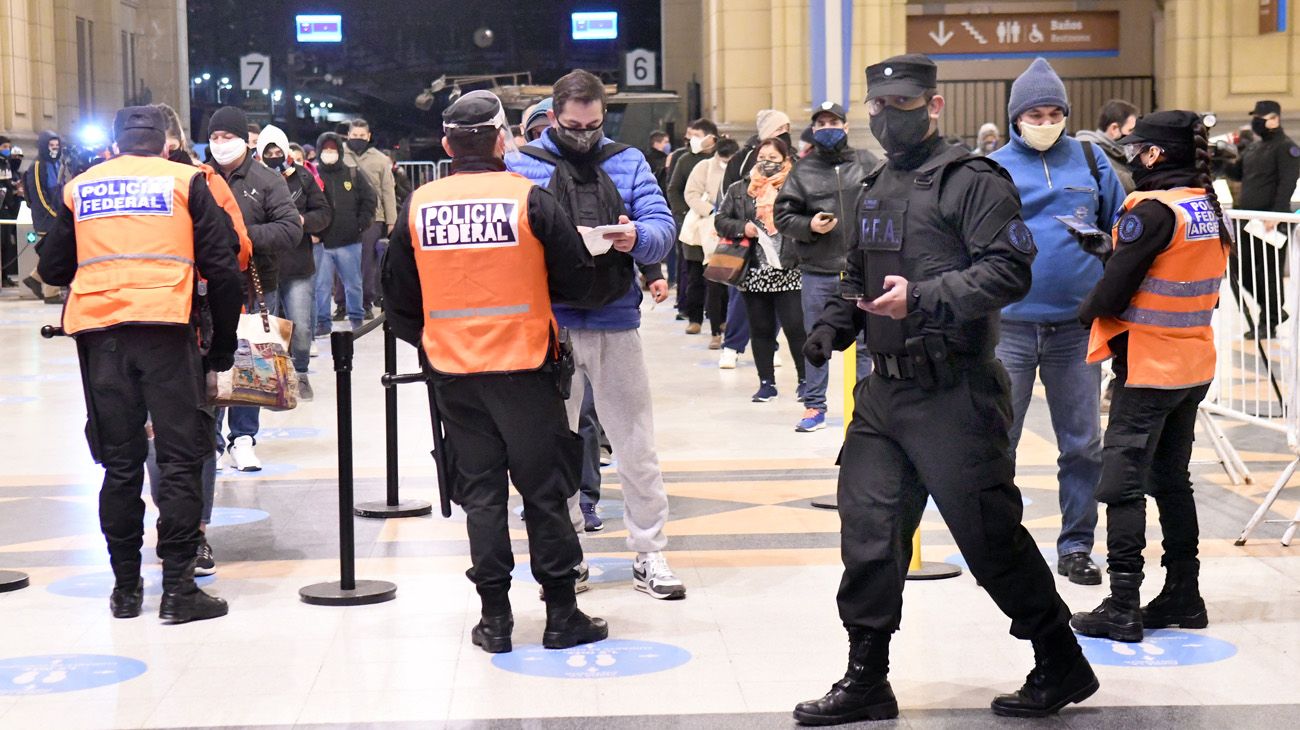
point(347, 591)
point(394, 506)
point(12, 580)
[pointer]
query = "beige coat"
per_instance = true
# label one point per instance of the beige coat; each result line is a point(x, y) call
point(703, 190)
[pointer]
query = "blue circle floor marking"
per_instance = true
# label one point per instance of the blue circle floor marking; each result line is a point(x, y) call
point(227, 516)
point(41, 675)
point(290, 432)
point(1159, 648)
point(100, 585)
point(270, 470)
point(602, 660)
point(601, 570)
point(1049, 554)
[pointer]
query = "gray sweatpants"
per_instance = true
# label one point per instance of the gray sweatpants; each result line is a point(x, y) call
point(612, 361)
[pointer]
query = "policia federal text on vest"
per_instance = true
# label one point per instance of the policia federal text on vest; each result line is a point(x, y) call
point(469, 280)
point(132, 237)
point(940, 250)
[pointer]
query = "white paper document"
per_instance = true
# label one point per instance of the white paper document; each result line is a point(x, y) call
point(595, 239)
point(1275, 238)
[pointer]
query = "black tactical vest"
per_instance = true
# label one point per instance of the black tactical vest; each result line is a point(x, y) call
point(902, 231)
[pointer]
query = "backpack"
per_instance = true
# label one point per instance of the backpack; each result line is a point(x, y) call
point(594, 202)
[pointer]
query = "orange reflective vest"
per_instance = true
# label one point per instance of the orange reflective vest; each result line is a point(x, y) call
point(1171, 342)
point(135, 244)
point(225, 197)
point(483, 277)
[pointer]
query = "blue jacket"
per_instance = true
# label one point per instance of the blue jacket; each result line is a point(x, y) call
point(655, 229)
point(1052, 183)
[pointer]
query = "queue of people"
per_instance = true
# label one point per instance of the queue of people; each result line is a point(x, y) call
point(951, 271)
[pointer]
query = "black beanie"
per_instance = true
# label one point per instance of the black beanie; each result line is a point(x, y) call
point(229, 119)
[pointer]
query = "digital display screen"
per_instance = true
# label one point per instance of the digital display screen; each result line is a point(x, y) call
point(320, 28)
point(595, 26)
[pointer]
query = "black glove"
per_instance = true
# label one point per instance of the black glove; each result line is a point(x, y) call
point(1096, 245)
point(819, 346)
point(218, 362)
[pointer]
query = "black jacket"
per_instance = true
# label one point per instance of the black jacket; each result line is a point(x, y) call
point(677, 196)
point(569, 266)
point(351, 197)
point(659, 166)
point(828, 182)
point(741, 163)
point(298, 262)
point(1268, 170)
point(215, 244)
point(736, 210)
point(42, 197)
point(269, 214)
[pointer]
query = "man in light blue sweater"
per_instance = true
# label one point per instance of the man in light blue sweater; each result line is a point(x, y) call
point(1041, 334)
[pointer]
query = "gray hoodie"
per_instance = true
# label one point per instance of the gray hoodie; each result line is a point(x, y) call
point(1114, 151)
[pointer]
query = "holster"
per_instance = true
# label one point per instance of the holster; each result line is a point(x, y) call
point(563, 366)
point(201, 316)
point(932, 363)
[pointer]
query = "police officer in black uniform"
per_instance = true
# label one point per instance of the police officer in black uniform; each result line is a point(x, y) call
point(1267, 170)
point(940, 250)
point(504, 420)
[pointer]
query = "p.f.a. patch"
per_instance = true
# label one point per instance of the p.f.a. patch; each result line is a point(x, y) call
point(123, 196)
point(461, 224)
point(1202, 223)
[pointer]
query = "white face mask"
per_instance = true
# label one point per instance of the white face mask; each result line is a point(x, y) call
point(697, 145)
point(1042, 136)
point(227, 151)
point(329, 157)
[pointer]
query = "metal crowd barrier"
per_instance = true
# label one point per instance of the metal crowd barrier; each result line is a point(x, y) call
point(420, 172)
point(1258, 370)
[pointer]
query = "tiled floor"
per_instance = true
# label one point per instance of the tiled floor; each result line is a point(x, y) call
point(757, 633)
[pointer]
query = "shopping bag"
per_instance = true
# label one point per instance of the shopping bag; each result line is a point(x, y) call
point(263, 374)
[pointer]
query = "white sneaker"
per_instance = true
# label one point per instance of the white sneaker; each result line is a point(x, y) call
point(776, 359)
point(727, 361)
point(242, 456)
point(581, 582)
point(315, 351)
point(652, 576)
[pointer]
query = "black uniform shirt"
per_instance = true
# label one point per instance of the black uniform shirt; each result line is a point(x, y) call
point(569, 267)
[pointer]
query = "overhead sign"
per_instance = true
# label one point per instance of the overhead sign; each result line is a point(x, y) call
point(254, 72)
point(320, 28)
point(1272, 16)
point(639, 70)
point(602, 26)
point(1014, 35)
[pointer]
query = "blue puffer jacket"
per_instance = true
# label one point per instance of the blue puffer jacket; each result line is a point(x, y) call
point(655, 229)
point(1052, 183)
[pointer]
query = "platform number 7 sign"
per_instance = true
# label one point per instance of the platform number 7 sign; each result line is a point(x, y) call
point(254, 72)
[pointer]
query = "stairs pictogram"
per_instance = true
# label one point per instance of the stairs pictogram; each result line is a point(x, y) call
point(970, 28)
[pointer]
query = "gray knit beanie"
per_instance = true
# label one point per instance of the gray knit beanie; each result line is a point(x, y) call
point(1037, 86)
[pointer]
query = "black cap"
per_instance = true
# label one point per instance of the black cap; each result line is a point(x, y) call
point(908, 75)
point(830, 107)
point(475, 109)
point(1265, 107)
point(139, 117)
point(1168, 128)
point(229, 119)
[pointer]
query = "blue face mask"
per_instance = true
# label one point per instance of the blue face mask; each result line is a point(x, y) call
point(830, 138)
point(4, 153)
point(668, 147)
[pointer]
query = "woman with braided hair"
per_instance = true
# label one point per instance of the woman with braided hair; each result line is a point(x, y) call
point(1151, 312)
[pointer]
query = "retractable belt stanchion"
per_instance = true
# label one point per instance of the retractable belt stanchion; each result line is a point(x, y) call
point(918, 569)
point(393, 506)
point(347, 591)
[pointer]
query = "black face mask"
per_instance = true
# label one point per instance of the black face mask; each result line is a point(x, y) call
point(275, 163)
point(785, 137)
point(1259, 126)
point(899, 131)
point(358, 145)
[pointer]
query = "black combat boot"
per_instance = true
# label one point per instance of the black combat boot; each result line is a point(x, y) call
point(1061, 675)
point(1118, 617)
point(1179, 603)
point(566, 626)
point(182, 599)
point(864, 692)
point(127, 599)
point(492, 633)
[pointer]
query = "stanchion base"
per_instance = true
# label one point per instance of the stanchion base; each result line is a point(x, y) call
point(825, 504)
point(12, 580)
point(934, 571)
point(332, 594)
point(404, 508)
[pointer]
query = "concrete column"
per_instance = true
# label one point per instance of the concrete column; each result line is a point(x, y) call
point(683, 50)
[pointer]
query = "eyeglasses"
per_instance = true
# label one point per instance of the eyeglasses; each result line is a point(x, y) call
point(904, 103)
point(1134, 150)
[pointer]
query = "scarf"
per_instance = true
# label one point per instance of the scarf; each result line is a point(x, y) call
point(764, 191)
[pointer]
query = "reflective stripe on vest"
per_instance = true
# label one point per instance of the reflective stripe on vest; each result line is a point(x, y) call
point(135, 244)
point(1170, 342)
point(482, 275)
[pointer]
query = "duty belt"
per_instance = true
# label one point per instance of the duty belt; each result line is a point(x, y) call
point(894, 367)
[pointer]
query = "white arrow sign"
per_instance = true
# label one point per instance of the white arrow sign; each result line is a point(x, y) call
point(941, 37)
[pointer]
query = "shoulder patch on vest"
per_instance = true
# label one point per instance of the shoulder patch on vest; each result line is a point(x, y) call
point(124, 196)
point(1295, 151)
point(1021, 237)
point(1202, 223)
point(1130, 228)
point(464, 224)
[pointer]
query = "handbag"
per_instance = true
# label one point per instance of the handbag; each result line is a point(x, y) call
point(730, 261)
point(263, 374)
